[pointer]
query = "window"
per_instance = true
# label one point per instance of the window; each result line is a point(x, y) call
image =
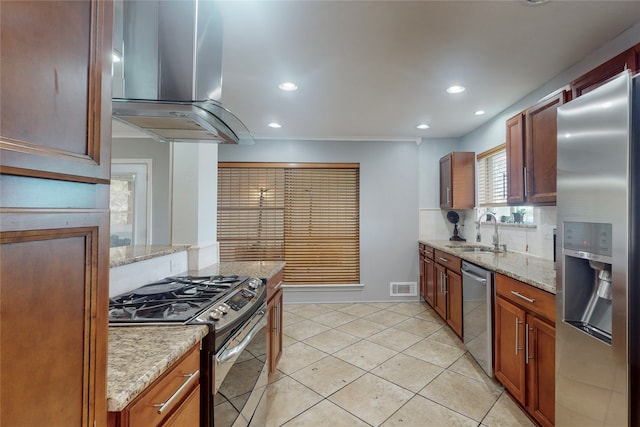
point(304, 214)
point(492, 177)
point(129, 198)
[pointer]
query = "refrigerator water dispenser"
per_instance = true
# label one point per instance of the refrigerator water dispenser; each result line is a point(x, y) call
point(587, 278)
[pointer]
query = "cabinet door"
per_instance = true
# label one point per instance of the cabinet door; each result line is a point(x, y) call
point(440, 296)
point(274, 330)
point(430, 282)
point(541, 147)
point(55, 107)
point(515, 159)
point(446, 192)
point(53, 298)
point(627, 60)
point(509, 348)
point(454, 301)
point(540, 348)
point(423, 278)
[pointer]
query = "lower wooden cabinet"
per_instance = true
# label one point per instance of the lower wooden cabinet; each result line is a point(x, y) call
point(448, 290)
point(274, 321)
point(525, 346)
point(171, 400)
point(427, 274)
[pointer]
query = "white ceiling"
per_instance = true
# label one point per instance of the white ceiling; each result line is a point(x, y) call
point(376, 69)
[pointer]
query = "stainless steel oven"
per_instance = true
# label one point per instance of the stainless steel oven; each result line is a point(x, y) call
point(233, 354)
point(241, 374)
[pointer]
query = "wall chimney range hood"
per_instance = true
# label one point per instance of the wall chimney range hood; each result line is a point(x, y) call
point(171, 72)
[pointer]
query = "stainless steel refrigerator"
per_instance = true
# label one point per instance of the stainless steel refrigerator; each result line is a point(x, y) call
point(597, 268)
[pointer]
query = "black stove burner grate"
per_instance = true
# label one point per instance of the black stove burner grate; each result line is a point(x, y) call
point(174, 299)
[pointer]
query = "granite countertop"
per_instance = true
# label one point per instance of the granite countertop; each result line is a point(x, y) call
point(259, 269)
point(138, 355)
point(129, 254)
point(535, 271)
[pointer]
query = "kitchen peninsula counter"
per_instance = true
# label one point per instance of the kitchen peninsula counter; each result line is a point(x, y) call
point(138, 355)
point(534, 271)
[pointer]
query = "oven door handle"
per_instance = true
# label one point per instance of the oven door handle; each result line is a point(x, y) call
point(229, 353)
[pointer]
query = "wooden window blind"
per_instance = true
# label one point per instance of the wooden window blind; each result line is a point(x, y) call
point(304, 214)
point(492, 177)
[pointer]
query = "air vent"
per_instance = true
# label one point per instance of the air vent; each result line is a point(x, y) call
point(404, 289)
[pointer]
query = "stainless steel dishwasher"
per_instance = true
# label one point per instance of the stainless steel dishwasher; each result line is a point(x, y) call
point(477, 294)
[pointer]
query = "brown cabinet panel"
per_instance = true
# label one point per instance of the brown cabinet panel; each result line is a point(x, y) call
point(457, 181)
point(515, 159)
point(531, 299)
point(146, 409)
point(509, 348)
point(440, 295)
point(430, 282)
point(541, 345)
point(55, 107)
point(188, 414)
point(274, 320)
point(540, 150)
point(53, 290)
point(627, 60)
point(454, 302)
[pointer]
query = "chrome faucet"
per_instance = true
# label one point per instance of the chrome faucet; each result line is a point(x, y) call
point(496, 237)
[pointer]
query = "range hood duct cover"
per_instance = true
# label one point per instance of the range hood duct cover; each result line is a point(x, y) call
point(172, 73)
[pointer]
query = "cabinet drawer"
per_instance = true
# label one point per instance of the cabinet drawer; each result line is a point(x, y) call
point(532, 299)
point(168, 392)
point(428, 251)
point(451, 262)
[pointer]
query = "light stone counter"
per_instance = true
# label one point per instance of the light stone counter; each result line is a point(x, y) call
point(537, 272)
point(129, 254)
point(259, 269)
point(138, 355)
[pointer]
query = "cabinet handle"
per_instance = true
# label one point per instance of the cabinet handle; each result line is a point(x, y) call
point(443, 259)
point(525, 181)
point(519, 295)
point(518, 322)
point(526, 344)
point(169, 402)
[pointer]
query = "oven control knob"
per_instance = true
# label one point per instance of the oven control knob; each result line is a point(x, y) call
point(254, 283)
point(215, 314)
point(224, 308)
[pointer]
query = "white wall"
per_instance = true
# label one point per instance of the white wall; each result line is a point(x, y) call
point(388, 207)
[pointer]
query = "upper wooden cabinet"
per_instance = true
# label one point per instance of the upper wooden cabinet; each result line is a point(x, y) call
point(458, 181)
point(627, 60)
point(56, 89)
point(531, 152)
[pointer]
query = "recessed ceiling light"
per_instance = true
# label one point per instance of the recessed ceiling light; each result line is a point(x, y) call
point(423, 126)
point(288, 86)
point(479, 112)
point(455, 89)
point(274, 125)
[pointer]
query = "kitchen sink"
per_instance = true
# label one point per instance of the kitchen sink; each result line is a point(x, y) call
point(476, 249)
point(480, 250)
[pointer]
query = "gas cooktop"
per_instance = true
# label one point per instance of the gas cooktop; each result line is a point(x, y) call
point(172, 300)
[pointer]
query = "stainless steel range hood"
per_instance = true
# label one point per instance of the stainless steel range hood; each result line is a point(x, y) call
point(171, 67)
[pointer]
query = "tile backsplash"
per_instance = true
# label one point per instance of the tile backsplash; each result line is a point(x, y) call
point(536, 240)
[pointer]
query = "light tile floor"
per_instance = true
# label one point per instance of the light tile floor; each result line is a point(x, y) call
point(380, 364)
